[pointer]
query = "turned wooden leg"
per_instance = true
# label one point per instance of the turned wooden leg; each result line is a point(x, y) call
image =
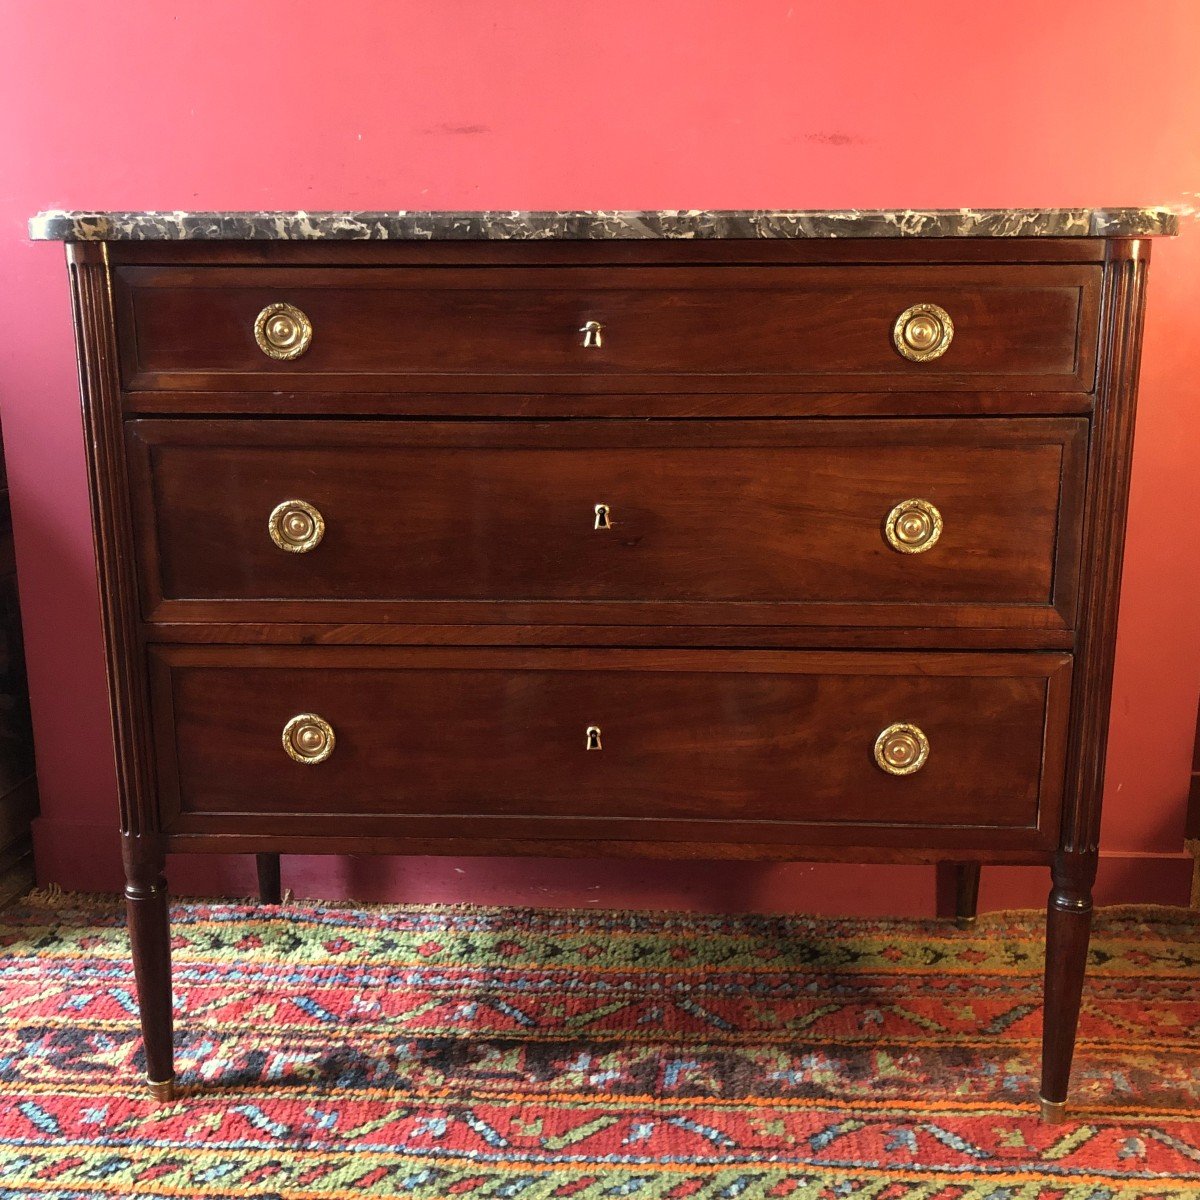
point(269, 889)
point(1068, 927)
point(150, 939)
point(966, 894)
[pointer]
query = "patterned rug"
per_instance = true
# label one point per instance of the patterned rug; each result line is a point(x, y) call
point(432, 1053)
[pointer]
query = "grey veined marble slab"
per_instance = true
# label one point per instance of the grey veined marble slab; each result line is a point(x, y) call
point(599, 226)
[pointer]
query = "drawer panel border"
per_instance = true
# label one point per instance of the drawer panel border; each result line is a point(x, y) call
point(582, 289)
point(1054, 668)
point(1069, 434)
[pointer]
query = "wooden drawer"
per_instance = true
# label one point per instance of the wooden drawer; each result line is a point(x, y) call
point(729, 745)
point(664, 329)
point(709, 522)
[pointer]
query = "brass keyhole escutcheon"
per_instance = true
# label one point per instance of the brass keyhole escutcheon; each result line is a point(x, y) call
point(901, 749)
point(603, 517)
point(296, 526)
point(923, 332)
point(593, 738)
point(282, 331)
point(913, 526)
point(593, 334)
point(308, 739)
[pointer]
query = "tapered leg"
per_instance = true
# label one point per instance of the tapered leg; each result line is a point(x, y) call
point(966, 894)
point(269, 888)
point(1068, 927)
point(150, 938)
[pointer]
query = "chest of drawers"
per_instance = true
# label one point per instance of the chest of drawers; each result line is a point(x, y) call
point(671, 534)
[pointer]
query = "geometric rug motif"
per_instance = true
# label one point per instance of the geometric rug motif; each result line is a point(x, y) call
point(431, 1053)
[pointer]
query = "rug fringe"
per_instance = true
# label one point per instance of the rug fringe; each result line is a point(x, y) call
point(54, 896)
point(1175, 913)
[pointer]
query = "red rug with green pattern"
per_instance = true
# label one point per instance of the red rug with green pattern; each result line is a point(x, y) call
point(423, 1053)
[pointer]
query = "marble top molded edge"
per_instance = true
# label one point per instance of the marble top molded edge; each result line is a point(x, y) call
point(601, 226)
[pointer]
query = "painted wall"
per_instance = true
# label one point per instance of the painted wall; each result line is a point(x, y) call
point(475, 104)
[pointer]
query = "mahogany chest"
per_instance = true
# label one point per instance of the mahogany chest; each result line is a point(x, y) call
point(709, 535)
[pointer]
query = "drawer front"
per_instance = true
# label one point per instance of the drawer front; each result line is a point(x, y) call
point(613, 523)
point(741, 746)
point(611, 329)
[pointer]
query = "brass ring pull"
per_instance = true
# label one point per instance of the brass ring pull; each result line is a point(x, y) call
point(308, 739)
point(296, 526)
point(913, 526)
point(901, 749)
point(282, 331)
point(923, 332)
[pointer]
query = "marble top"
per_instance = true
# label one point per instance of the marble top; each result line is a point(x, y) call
point(79, 226)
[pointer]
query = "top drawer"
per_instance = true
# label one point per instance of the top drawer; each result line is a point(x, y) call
point(613, 329)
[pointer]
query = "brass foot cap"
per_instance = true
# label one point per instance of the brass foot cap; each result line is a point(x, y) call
point(1054, 1112)
point(965, 922)
point(163, 1092)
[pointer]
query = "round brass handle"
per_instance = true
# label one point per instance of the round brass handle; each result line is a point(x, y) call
point(295, 526)
point(913, 526)
point(923, 332)
point(901, 749)
point(308, 739)
point(282, 331)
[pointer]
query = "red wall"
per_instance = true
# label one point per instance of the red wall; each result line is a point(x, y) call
point(473, 104)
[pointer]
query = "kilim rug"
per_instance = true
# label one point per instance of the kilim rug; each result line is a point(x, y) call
point(332, 1053)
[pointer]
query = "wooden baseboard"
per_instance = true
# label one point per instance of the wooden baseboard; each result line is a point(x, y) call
point(18, 808)
point(1192, 846)
point(16, 872)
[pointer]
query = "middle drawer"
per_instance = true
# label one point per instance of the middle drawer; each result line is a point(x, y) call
point(822, 522)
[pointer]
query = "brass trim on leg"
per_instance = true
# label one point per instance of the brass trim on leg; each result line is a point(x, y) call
point(965, 922)
point(163, 1091)
point(1054, 1112)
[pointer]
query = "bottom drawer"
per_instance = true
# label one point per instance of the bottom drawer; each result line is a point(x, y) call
point(690, 745)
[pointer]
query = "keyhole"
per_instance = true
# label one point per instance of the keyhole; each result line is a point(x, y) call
point(593, 738)
point(602, 517)
point(591, 331)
